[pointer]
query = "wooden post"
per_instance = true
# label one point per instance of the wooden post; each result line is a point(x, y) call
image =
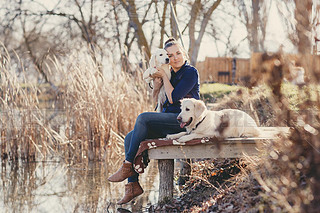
point(166, 170)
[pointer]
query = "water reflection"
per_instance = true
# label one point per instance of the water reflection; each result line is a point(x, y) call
point(53, 186)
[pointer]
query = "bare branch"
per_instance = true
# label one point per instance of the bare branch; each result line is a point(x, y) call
point(130, 7)
point(194, 43)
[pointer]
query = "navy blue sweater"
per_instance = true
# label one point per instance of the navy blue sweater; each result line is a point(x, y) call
point(186, 85)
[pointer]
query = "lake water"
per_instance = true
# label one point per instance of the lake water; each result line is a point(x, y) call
point(53, 186)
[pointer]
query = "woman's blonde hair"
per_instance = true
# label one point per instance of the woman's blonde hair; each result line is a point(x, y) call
point(172, 41)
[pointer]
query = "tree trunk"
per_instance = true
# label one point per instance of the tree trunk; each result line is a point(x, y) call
point(303, 27)
point(162, 24)
point(174, 30)
point(194, 44)
point(255, 23)
point(130, 7)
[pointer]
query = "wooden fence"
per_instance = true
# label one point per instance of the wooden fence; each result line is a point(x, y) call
point(237, 70)
point(223, 70)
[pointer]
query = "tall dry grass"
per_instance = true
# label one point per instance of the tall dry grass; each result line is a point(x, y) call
point(289, 173)
point(84, 116)
point(286, 175)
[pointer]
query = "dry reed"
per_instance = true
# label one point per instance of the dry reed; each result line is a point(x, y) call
point(290, 174)
point(288, 169)
point(84, 117)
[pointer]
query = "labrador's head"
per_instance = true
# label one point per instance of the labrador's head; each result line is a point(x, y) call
point(191, 111)
point(158, 58)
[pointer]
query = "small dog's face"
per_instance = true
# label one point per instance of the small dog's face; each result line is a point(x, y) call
point(191, 110)
point(159, 57)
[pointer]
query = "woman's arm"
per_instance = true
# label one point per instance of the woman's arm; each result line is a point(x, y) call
point(189, 79)
point(168, 87)
point(157, 83)
point(166, 83)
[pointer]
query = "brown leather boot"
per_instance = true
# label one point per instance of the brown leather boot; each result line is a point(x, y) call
point(132, 190)
point(125, 171)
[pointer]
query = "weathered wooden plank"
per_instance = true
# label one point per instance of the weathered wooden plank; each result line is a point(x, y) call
point(229, 148)
point(226, 150)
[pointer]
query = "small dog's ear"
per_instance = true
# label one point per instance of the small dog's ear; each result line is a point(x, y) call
point(199, 107)
point(152, 61)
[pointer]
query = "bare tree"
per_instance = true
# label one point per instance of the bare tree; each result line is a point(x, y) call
point(130, 7)
point(173, 24)
point(198, 10)
point(255, 18)
point(302, 16)
point(126, 23)
point(82, 23)
point(87, 21)
point(16, 21)
point(298, 31)
point(30, 38)
point(200, 13)
point(123, 51)
point(163, 23)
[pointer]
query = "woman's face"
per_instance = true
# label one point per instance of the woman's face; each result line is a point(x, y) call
point(176, 57)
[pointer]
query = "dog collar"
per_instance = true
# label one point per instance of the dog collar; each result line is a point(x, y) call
point(198, 123)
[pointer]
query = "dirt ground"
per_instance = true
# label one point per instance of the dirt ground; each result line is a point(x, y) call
point(222, 185)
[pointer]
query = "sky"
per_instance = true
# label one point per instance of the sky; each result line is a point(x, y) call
point(275, 36)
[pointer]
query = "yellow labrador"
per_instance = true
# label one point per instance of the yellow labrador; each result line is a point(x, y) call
point(200, 122)
point(158, 59)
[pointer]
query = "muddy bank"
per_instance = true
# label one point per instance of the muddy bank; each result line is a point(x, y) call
point(221, 185)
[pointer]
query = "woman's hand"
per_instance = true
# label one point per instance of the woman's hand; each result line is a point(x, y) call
point(160, 74)
point(157, 83)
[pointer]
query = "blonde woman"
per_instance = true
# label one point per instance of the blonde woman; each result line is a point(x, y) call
point(184, 83)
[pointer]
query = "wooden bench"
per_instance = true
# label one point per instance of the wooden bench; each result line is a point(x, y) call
point(229, 148)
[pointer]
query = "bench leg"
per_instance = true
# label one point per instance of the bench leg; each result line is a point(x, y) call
point(166, 170)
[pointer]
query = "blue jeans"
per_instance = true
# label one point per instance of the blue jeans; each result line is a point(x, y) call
point(149, 125)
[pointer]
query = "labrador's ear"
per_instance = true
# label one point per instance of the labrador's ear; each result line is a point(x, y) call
point(199, 107)
point(152, 62)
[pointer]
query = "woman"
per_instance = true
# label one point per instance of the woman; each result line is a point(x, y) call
point(184, 83)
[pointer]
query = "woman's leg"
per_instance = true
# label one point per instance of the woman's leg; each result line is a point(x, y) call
point(127, 141)
point(151, 125)
point(148, 125)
